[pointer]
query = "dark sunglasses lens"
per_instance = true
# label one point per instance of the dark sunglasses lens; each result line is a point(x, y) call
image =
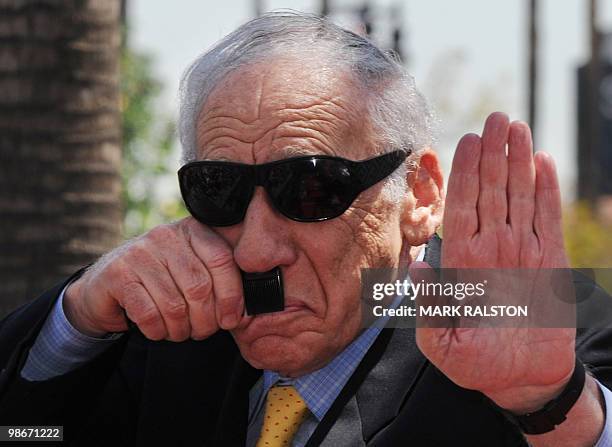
point(216, 195)
point(311, 190)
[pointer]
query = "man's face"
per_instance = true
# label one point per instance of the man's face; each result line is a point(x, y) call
point(270, 111)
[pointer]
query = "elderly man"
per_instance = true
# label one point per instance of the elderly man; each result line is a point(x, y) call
point(345, 179)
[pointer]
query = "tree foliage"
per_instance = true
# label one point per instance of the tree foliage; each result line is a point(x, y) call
point(149, 148)
point(588, 238)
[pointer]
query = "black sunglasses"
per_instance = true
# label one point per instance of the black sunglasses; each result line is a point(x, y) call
point(305, 189)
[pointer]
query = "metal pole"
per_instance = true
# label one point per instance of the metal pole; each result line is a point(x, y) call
point(594, 72)
point(258, 7)
point(533, 64)
point(325, 7)
point(397, 30)
point(364, 15)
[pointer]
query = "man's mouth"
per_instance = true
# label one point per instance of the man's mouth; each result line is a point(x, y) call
point(289, 308)
point(292, 306)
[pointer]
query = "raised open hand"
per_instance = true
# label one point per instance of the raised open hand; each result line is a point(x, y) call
point(503, 210)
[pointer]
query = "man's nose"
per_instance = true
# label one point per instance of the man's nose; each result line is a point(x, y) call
point(265, 239)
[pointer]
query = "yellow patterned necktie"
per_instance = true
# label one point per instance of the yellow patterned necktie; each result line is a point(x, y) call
point(285, 411)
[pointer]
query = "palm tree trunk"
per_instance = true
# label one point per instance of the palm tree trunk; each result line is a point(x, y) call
point(60, 141)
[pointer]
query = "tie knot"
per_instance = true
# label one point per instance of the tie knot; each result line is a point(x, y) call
point(285, 411)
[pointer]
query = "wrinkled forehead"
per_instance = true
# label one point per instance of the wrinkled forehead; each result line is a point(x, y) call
point(289, 105)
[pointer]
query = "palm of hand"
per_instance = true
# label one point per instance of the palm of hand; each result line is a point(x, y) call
point(503, 211)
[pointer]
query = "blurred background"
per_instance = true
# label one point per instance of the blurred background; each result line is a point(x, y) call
point(88, 151)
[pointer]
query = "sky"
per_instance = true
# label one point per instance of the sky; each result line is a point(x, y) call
point(468, 57)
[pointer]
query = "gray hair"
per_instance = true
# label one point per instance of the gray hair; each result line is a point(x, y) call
point(398, 113)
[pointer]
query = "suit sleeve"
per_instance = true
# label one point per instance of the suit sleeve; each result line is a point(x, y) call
point(99, 390)
point(594, 329)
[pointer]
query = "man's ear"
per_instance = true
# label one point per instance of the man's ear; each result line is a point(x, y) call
point(424, 205)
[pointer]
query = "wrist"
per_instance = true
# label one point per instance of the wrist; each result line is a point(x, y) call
point(584, 424)
point(530, 398)
point(555, 411)
point(74, 312)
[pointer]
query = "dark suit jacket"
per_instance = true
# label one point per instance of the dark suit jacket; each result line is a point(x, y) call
point(195, 393)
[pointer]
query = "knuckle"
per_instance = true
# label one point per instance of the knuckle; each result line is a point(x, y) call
point(190, 224)
point(176, 310)
point(129, 290)
point(162, 233)
point(121, 285)
point(199, 291)
point(147, 317)
point(138, 252)
point(124, 272)
point(139, 309)
point(220, 259)
point(112, 271)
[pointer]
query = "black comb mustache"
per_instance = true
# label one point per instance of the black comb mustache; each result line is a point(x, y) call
point(263, 291)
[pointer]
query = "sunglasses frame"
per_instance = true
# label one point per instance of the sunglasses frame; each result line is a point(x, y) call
point(365, 173)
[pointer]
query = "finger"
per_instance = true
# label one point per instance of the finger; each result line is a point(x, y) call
point(548, 216)
point(218, 258)
point(195, 284)
point(492, 200)
point(521, 178)
point(163, 290)
point(170, 303)
point(460, 214)
point(142, 310)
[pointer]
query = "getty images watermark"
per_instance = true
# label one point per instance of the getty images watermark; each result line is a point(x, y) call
point(455, 290)
point(487, 297)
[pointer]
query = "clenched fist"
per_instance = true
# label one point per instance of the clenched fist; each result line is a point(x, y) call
point(177, 281)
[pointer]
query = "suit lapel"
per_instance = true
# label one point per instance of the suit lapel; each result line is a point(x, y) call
point(172, 394)
point(390, 383)
point(433, 252)
point(347, 429)
point(233, 420)
point(182, 394)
